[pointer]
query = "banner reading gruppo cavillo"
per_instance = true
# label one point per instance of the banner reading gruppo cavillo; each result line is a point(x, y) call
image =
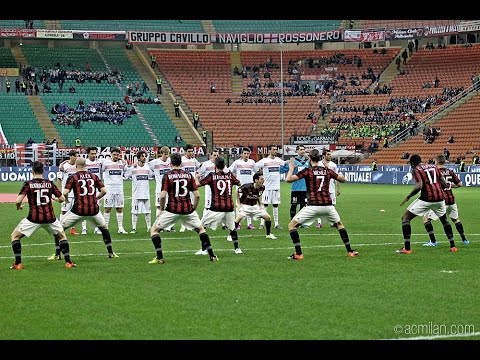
point(233, 38)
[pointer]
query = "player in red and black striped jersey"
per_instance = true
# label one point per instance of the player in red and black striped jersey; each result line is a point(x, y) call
point(87, 190)
point(452, 210)
point(430, 182)
point(178, 184)
point(40, 193)
point(319, 201)
point(221, 209)
point(249, 203)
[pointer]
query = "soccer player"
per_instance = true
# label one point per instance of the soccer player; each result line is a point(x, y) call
point(249, 203)
point(190, 164)
point(66, 169)
point(317, 179)
point(243, 169)
point(40, 194)
point(178, 184)
point(206, 168)
point(93, 165)
point(140, 175)
point(221, 205)
point(271, 167)
point(160, 166)
point(452, 210)
point(113, 175)
point(430, 181)
point(298, 195)
point(334, 184)
point(87, 190)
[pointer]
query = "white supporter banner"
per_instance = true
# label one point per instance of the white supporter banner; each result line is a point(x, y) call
point(54, 34)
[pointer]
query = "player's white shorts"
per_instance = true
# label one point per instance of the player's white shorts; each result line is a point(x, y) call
point(141, 206)
point(308, 214)
point(271, 197)
point(70, 219)
point(212, 219)
point(27, 228)
point(157, 199)
point(68, 206)
point(452, 212)
point(114, 200)
point(255, 211)
point(167, 220)
point(208, 197)
point(420, 207)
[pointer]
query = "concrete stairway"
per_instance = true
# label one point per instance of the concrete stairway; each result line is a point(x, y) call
point(53, 24)
point(139, 113)
point(37, 105)
point(43, 118)
point(19, 57)
point(208, 26)
point(237, 81)
point(140, 61)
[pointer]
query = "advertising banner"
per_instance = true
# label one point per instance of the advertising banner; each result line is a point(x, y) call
point(25, 173)
point(100, 35)
point(17, 33)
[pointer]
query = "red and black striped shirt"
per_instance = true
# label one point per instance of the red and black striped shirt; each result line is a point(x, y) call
point(249, 195)
point(450, 177)
point(85, 186)
point(221, 184)
point(178, 184)
point(430, 175)
point(317, 179)
point(39, 194)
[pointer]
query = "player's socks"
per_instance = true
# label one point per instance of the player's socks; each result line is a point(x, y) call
point(430, 232)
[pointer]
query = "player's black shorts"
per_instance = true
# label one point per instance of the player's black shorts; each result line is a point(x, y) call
point(298, 197)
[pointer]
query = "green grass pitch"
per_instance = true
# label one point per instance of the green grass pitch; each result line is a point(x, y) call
point(430, 294)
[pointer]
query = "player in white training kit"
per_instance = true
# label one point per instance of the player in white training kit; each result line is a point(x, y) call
point(140, 174)
point(206, 168)
point(271, 166)
point(190, 164)
point(160, 166)
point(94, 166)
point(113, 175)
point(66, 169)
point(243, 169)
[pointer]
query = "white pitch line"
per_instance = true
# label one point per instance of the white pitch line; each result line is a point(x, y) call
point(340, 244)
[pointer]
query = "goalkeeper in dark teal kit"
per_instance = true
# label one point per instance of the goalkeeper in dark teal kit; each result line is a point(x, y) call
point(299, 187)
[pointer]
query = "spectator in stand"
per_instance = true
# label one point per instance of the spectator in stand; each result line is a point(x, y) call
point(475, 159)
point(446, 153)
point(451, 140)
point(404, 56)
